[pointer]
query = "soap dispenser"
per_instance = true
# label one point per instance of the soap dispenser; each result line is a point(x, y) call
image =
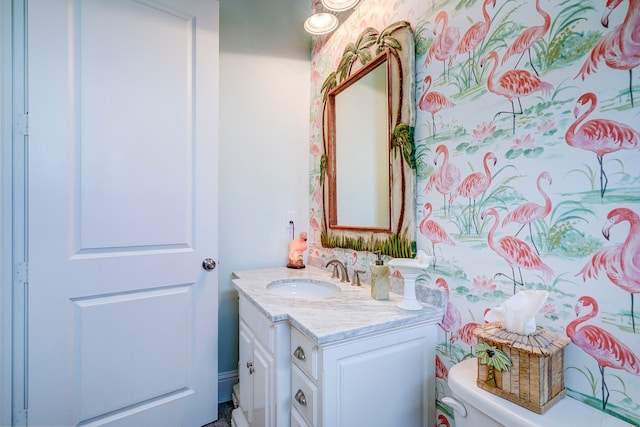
point(379, 278)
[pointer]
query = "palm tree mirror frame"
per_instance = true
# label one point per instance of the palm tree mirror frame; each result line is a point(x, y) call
point(396, 45)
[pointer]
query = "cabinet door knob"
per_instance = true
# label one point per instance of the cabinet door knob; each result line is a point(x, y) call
point(300, 398)
point(299, 353)
point(250, 366)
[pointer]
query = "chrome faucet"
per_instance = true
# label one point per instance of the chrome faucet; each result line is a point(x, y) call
point(338, 265)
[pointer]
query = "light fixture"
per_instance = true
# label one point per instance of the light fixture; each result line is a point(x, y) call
point(339, 5)
point(321, 23)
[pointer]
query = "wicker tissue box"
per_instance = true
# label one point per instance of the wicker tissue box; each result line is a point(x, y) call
point(535, 379)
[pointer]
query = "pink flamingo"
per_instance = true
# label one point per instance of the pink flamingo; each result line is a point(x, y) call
point(445, 177)
point(474, 36)
point(316, 197)
point(313, 222)
point(513, 84)
point(434, 231)
point(620, 48)
point(530, 212)
point(530, 36)
point(466, 335)
point(443, 421)
point(432, 102)
point(314, 150)
point(621, 262)
point(441, 369)
point(451, 319)
point(513, 250)
point(354, 259)
point(445, 43)
point(473, 186)
point(600, 344)
point(600, 136)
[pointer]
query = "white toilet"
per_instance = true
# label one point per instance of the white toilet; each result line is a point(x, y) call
point(475, 407)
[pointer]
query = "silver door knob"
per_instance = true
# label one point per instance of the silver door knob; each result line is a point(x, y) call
point(208, 264)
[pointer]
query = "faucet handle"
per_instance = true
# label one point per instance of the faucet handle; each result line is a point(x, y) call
point(334, 272)
point(356, 277)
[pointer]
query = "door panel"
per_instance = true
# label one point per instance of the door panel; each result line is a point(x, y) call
point(115, 133)
point(122, 211)
point(129, 344)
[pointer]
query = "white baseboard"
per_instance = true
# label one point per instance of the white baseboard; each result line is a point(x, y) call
point(226, 381)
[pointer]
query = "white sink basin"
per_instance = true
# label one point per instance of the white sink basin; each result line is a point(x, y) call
point(303, 288)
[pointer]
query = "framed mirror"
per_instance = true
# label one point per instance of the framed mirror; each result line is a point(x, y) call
point(367, 172)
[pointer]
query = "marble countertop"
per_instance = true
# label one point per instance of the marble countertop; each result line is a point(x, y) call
point(350, 313)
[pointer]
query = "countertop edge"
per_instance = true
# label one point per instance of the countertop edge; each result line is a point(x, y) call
point(251, 285)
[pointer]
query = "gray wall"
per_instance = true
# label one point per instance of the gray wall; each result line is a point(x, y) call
point(264, 144)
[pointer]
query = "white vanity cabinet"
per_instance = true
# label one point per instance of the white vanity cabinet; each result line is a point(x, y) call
point(263, 370)
point(381, 379)
point(340, 361)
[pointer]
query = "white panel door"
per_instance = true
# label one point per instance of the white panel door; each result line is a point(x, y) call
point(122, 317)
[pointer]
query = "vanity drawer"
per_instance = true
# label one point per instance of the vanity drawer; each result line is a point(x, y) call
point(304, 395)
point(297, 420)
point(304, 353)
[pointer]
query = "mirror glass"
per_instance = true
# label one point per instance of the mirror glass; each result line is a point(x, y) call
point(361, 120)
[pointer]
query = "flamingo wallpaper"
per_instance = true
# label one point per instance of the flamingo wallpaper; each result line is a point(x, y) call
point(527, 145)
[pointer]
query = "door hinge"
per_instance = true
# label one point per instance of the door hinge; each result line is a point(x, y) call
point(22, 124)
point(22, 273)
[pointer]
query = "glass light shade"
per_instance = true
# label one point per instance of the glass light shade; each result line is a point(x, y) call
point(321, 23)
point(339, 5)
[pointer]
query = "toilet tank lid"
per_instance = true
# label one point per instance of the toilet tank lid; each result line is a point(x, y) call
point(568, 411)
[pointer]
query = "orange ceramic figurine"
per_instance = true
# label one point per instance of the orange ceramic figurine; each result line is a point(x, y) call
point(296, 248)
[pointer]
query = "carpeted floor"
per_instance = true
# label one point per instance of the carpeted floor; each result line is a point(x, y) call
point(224, 415)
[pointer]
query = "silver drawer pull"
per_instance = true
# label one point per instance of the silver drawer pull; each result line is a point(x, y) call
point(299, 353)
point(300, 398)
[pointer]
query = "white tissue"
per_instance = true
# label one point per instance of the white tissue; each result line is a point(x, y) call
point(518, 313)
